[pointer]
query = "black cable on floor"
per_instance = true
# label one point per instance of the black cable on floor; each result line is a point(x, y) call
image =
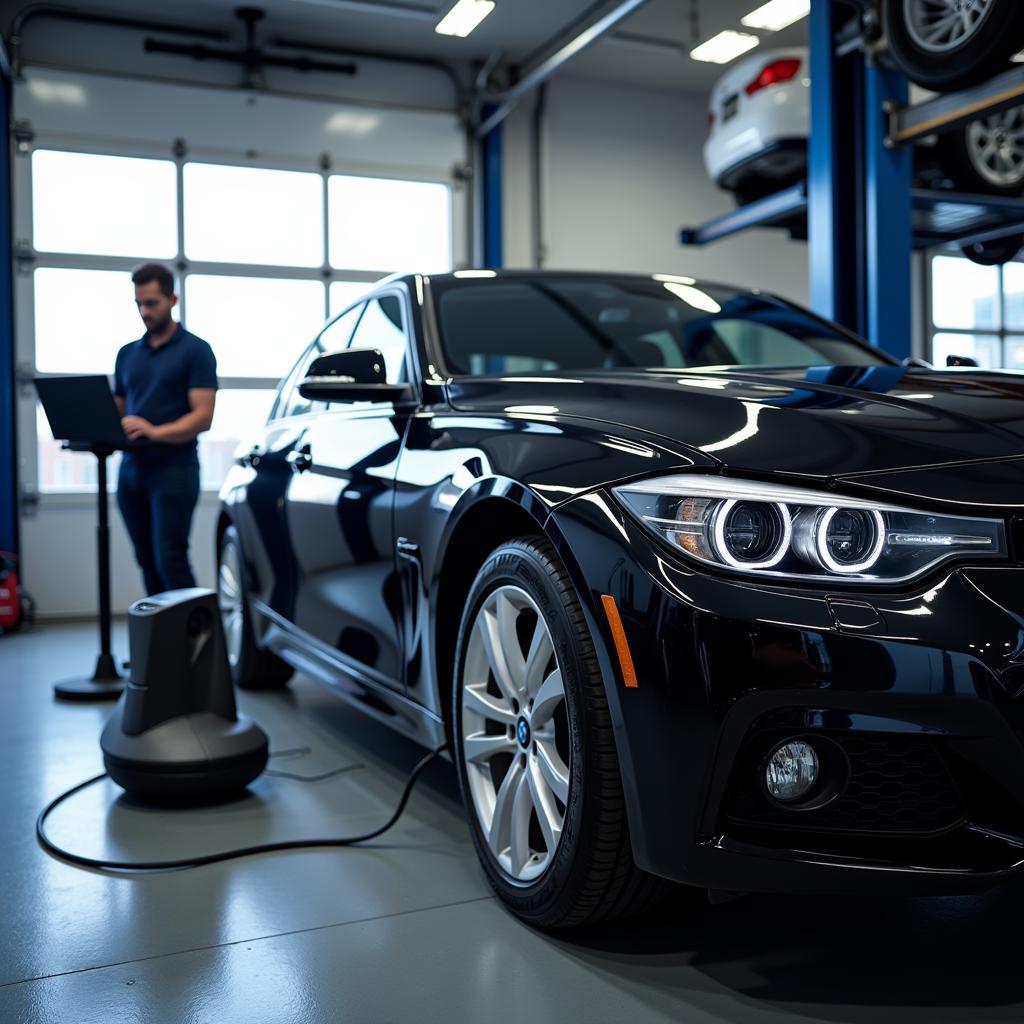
point(276, 773)
point(215, 858)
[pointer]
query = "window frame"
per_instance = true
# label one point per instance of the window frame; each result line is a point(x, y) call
point(412, 363)
point(28, 260)
point(1000, 332)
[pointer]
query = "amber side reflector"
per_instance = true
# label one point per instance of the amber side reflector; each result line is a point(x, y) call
point(611, 609)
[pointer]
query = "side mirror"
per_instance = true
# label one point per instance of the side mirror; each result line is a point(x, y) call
point(961, 361)
point(355, 375)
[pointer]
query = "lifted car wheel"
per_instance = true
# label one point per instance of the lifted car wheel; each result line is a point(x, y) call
point(987, 155)
point(252, 667)
point(951, 44)
point(534, 747)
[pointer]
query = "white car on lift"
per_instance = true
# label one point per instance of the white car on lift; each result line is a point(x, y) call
point(759, 118)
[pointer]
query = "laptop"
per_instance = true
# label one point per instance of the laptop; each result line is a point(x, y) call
point(81, 410)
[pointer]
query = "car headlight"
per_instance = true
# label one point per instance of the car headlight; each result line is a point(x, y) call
point(769, 530)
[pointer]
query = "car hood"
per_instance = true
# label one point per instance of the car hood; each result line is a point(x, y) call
point(864, 425)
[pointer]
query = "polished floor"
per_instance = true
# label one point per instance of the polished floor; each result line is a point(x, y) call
point(405, 929)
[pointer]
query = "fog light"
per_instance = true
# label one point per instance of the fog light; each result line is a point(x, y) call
point(791, 771)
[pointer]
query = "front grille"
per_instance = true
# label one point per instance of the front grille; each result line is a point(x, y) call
point(897, 785)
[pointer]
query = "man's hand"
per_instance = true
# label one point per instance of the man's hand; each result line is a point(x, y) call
point(136, 427)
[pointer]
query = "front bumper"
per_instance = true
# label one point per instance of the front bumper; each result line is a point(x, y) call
point(922, 692)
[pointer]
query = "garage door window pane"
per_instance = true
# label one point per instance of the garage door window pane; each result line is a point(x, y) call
point(385, 225)
point(257, 326)
point(983, 347)
point(67, 471)
point(253, 215)
point(237, 418)
point(964, 294)
point(82, 317)
point(1013, 296)
point(104, 205)
point(344, 293)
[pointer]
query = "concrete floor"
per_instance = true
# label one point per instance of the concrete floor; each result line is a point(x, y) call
point(404, 930)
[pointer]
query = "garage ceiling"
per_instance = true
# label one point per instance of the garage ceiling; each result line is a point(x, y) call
point(650, 48)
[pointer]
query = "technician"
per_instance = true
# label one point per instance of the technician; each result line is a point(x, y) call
point(165, 386)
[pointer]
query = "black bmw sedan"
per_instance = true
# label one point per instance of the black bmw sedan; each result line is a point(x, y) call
point(696, 585)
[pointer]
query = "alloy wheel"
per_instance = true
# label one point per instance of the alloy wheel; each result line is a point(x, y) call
point(939, 26)
point(515, 733)
point(996, 146)
point(229, 598)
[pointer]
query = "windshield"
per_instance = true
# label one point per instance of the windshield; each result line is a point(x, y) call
point(521, 325)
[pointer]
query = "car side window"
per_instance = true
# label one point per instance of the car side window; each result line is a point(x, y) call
point(382, 327)
point(338, 333)
point(333, 338)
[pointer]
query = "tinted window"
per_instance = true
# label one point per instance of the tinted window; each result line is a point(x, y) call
point(381, 328)
point(521, 325)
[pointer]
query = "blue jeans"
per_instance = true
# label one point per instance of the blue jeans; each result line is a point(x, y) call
point(157, 499)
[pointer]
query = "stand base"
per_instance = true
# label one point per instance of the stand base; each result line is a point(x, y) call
point(104, 684)
point(198, 758)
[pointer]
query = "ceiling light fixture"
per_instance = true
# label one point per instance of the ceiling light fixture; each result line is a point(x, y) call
point(464, 17)
point(724, 47)
point(777, 14)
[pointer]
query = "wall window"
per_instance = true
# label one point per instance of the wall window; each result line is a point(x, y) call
point(251, 215)
point(977, 312)
point(257, 326)
point(104, 205)
point(263, 256)
point(376, 224)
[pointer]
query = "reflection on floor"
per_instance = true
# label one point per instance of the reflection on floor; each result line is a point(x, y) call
point(405, 929)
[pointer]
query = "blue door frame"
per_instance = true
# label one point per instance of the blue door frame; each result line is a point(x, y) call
point(491, 198)
point(8, 440)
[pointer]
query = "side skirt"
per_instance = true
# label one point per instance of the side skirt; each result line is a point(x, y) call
point(309, 656)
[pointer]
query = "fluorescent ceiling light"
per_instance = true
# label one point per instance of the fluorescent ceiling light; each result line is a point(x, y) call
point(464, 17)
point(777, 14)
point(724, 47)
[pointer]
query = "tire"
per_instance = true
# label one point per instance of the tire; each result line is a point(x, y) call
point(985, 156)
point(994, 253)
point(589, 874)
point(252, 667)
point(967, 55)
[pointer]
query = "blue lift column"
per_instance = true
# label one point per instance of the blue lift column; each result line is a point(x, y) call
point(859, 192)
point(888, 234)
point(833, 221)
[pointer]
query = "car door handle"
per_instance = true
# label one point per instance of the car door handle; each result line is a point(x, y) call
point(251, 457)
point(301, 459)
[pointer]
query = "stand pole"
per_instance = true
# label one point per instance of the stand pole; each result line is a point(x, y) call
point(105, 683)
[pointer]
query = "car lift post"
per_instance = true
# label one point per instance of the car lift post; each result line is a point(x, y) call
point(859, 202)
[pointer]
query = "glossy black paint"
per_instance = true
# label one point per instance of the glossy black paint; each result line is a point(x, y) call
point(359, 561)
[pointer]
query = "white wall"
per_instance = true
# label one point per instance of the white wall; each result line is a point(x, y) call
point(58, 554)
point(623, 173)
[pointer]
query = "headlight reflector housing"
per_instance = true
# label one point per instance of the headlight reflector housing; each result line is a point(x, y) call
point(776, 530)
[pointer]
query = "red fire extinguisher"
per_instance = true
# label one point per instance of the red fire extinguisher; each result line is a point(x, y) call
point(14, 603)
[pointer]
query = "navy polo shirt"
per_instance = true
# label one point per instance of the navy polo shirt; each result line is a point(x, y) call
point(155, 382)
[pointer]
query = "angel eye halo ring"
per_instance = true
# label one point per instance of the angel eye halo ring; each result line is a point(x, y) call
point(751, 535)
point(763, 528)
